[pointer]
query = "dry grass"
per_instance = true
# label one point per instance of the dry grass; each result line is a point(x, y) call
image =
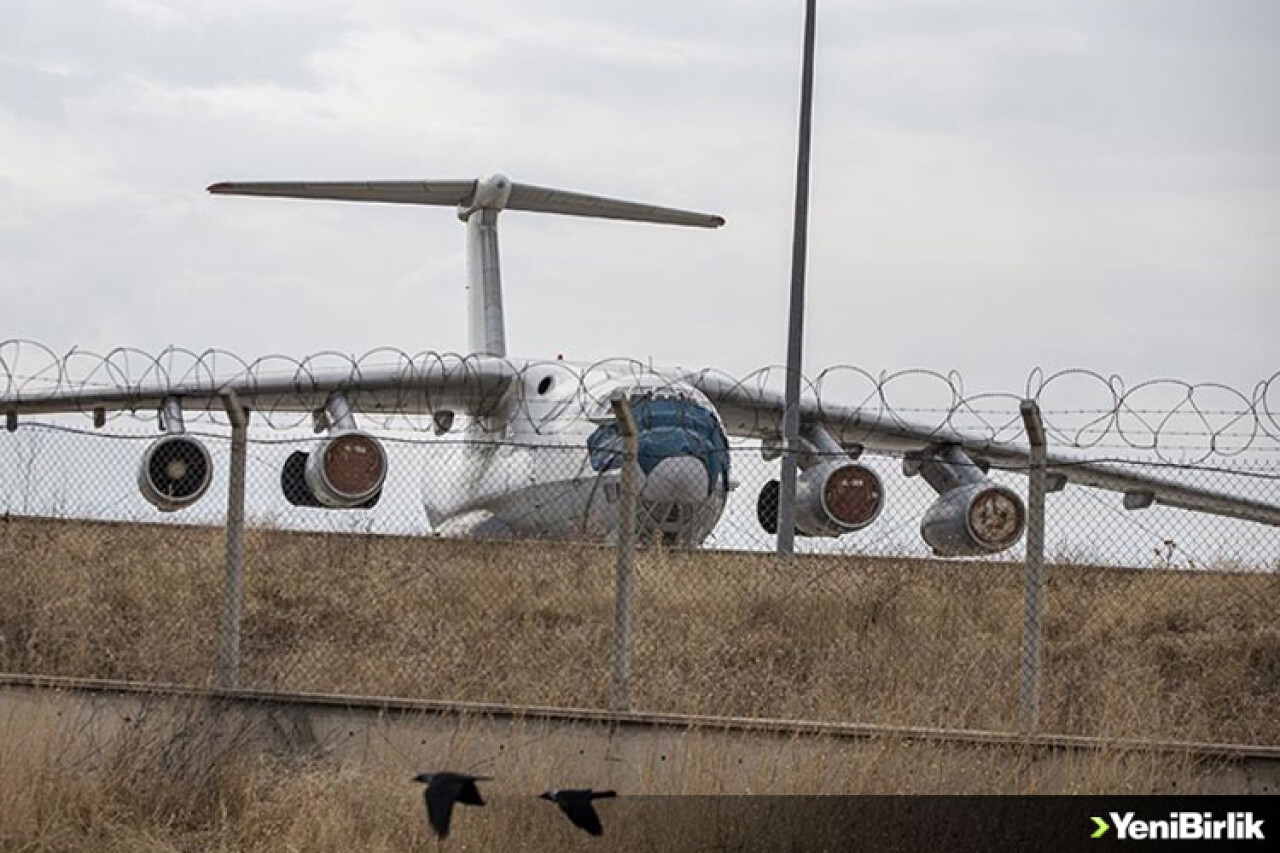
point(1186, 655)
point(1182, 655)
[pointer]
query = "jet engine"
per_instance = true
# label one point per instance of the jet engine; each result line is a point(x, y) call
point(981, 518)
point(832, 498)
point(346, 471)
point(972, 515)
point(176, 469)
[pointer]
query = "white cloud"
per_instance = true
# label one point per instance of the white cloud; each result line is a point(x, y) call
point(45, 167)
point(152, 13)
point(1065, 183)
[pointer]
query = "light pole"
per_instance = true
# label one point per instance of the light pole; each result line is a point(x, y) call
point(795, 326)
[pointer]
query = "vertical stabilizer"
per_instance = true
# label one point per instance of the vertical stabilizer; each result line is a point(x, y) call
point(486, 332)
point(486, 329)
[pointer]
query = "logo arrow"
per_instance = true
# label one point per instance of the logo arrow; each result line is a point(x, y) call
point(1103, 826)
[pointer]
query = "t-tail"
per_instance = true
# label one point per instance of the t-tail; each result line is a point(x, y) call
point(478, 203)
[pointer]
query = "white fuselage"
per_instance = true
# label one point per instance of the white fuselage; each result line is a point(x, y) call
point(527, 471)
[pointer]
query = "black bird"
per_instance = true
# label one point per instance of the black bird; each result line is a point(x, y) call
point(443, 790)
point(576, 804)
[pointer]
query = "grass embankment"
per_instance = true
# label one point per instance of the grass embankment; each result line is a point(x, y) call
point(1137, 653)
point(1182, 655)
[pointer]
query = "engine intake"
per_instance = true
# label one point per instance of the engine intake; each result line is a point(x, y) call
point(832, 498)
point(175, 472)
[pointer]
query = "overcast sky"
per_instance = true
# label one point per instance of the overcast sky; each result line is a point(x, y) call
point(997, 186)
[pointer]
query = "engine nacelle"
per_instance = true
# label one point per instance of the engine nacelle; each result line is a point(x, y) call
point(832, 498)
point(175, 472)
point(973, 520)
point(346, 471)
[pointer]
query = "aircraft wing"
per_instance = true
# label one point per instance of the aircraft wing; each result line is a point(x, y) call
point(752, 412)
point(469, 385)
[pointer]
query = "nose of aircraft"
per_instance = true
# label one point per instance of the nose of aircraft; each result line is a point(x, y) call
point(678, 480)
point(683, 454)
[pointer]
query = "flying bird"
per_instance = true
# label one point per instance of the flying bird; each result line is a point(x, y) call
point(576, 804)
point(443, 790)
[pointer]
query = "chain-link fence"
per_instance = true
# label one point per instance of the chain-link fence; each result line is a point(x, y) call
point(1157, 622)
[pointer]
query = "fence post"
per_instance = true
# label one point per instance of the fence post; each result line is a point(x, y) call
point(233, 579)
point(621, 675)
point(1034, 577)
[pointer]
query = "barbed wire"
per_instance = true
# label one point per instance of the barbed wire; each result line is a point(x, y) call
point(396, 389)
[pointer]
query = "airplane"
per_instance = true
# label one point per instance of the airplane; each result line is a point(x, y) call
point(541, 455)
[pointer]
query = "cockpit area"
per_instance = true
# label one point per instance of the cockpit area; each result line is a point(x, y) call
point(683, 457)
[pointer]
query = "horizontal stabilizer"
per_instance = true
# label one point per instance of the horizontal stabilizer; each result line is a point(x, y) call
point(463, 194)
point(447, 193)
point(544, 200)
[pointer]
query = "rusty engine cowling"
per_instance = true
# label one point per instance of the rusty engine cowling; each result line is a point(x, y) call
point(972, 516)
point(832, 498)
point(973, 520)
point(346, 471)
